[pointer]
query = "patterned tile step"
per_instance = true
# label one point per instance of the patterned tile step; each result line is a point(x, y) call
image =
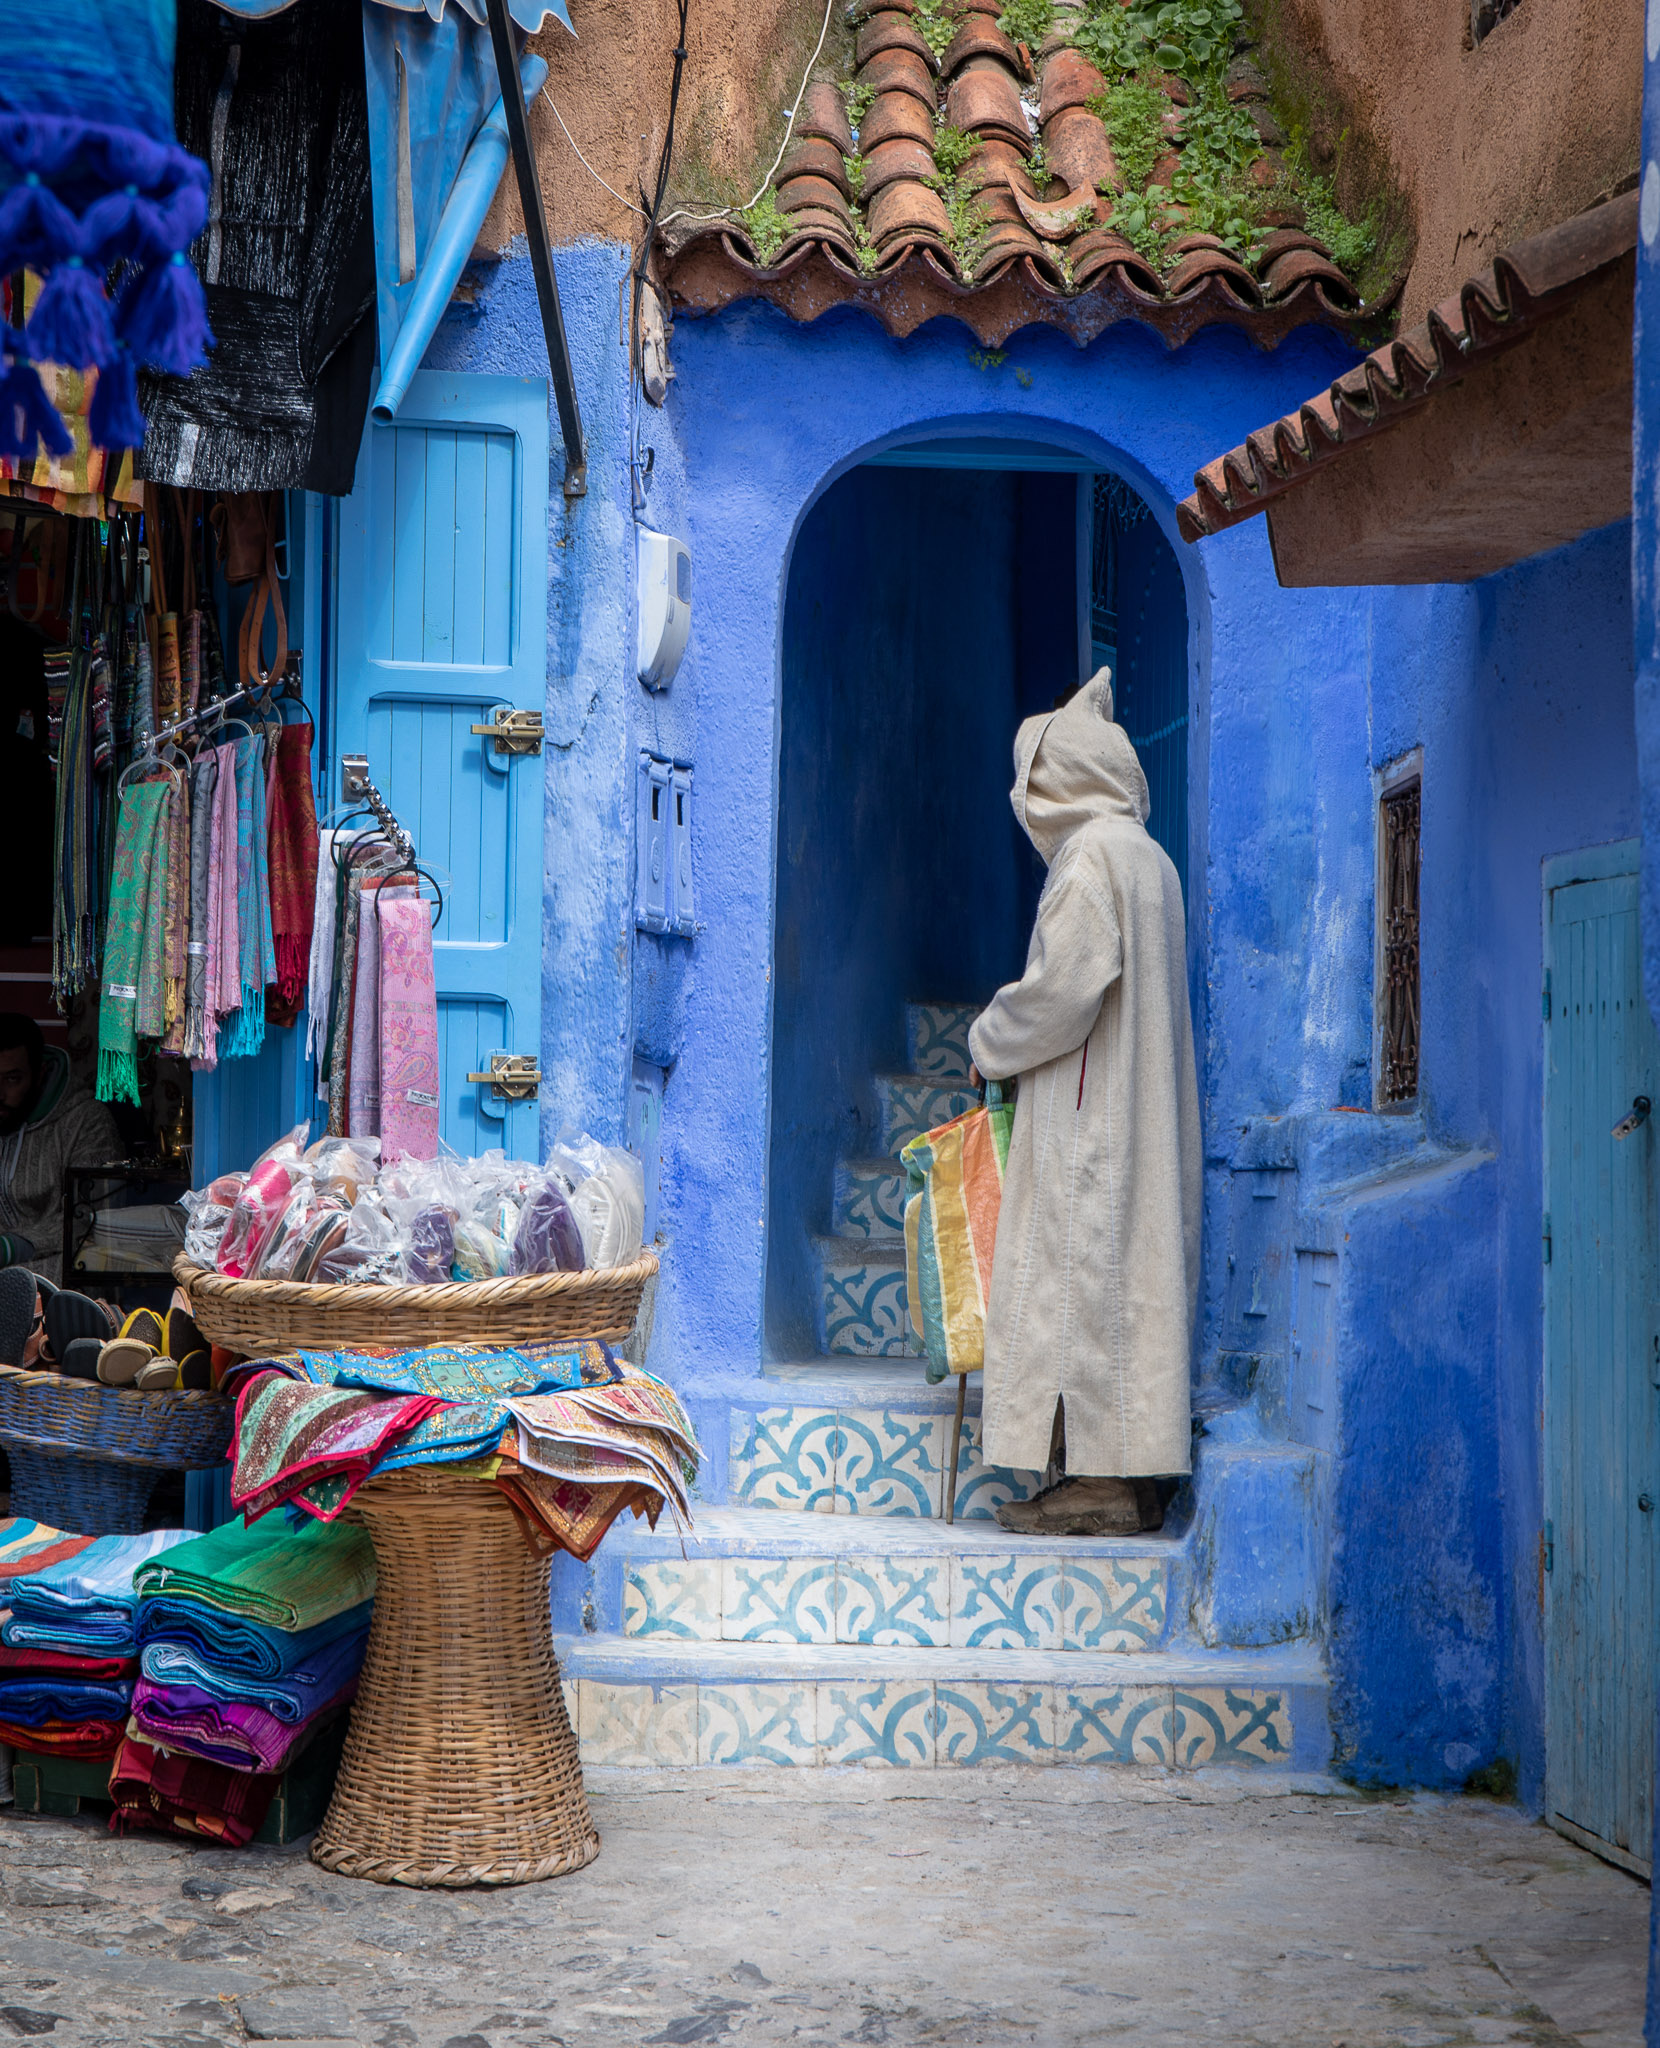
point(974, 1594)
point(861, 1297)
point(857, 1383)
point(848, 1460)
point(657, 1706)
point(907, 1105)
point(936, 1039)
point(867, 1198)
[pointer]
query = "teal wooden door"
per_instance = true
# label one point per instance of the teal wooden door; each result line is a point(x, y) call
point(1602, 1360)
point(441, 619)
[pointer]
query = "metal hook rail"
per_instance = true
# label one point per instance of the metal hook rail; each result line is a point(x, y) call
point(148, 742)
point(361, 790)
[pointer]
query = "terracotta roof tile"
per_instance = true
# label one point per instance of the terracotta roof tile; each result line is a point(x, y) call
point(1522, 287)
point(1033, 252)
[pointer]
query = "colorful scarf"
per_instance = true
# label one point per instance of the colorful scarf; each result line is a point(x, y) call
point(176, 958)
point(89, 1741)
point(177, 1794)
point(238, 1649)
point(292, 1696)
point(576, 1517)
point(408, 1032)
point(85, 1604)
point(150, 1012)
point(144, 697)
point(143, 808)
point(27, 1701)
point(320, 971)
point(451, 1372)
point(293, 829)
point(256, 961)
point(27, 1546)
point(290, 1435)
point(283, 1578)
point(345, 978)
point(200, 1041)
point(239, 1734)
point(168, 688)
point(190, 661)
point(41, 1663)
point(363, 1069)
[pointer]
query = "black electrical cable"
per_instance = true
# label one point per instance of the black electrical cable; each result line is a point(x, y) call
point(664, 162)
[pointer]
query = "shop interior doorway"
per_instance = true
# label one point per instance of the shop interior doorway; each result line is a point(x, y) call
point(938, 595)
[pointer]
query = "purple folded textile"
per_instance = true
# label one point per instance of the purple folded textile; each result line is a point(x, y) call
point(235, 1733)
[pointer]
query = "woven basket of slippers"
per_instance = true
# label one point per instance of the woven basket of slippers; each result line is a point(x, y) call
point(86, 1457)
point(255, 1317)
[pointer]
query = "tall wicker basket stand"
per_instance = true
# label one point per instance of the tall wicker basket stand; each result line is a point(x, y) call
point(461, 1765)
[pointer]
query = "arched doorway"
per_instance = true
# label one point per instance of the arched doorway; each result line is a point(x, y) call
point(938, 594)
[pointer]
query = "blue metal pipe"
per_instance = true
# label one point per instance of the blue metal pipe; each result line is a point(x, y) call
point(452, 243)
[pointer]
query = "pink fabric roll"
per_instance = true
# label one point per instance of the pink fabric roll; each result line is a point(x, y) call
point(408, 1031)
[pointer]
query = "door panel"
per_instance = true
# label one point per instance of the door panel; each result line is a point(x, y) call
point(1602, 1433)
point(442, 618)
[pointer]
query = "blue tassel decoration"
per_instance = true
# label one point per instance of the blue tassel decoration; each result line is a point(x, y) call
point(115, 420)
point(36, 228)
point(28, 418)
point(71, 322)
point(165, 322)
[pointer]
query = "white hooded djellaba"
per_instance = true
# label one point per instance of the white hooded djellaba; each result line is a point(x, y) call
point(1095, 1276)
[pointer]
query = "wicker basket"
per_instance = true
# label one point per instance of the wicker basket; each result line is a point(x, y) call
point(460, 1766)
point(255, 1317)
point(86, 1457)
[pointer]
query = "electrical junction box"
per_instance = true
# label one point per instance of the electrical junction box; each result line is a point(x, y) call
point(663, 848)
point(665, 601)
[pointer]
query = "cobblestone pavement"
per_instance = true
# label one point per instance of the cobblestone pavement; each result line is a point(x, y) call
point(1020, 1906)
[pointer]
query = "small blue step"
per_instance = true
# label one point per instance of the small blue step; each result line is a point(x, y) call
point(907, 1105)
point(936, 1039)
point(868, 1198)
point(861, 1298)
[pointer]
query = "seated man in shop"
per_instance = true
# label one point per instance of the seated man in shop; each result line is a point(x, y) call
point(46, 1125)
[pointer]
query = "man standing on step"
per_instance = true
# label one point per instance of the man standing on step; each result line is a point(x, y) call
point(1095, 1277)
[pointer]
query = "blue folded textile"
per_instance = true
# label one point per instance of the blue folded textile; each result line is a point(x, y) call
point(471, 1429)
point(27, 1702)
point(229, 1644)
point(451, 1372)
point(86, 1604)
point(290, 1696)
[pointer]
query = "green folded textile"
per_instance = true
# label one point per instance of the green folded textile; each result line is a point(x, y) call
point(285, 1578)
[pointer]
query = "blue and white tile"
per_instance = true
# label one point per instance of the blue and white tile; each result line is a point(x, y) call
point(673, 1597)
point(982, 1488)
point(1112, 1605)
point(907, 1106)
point(784, 1458)
point(882, 1725)
point(894, 1600)
point(1126, 1724)
point(978, 1724)
point(888, 1462)
point(1224, 1724)
point(862, 1302)
point(639, 1726)
point(869, 1198)
point(1005, 1603)
point(756, 1724)
point(937, 1039)
point(778, 1600)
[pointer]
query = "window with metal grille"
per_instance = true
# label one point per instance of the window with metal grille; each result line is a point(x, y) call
point(1398, 921)
point(1486, 15)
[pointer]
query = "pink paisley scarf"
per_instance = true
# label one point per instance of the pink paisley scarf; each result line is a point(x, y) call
point(408, 1031)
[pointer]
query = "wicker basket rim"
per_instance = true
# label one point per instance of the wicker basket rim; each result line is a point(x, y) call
point(88, 1390)
point(512, 1290)
point(97, 1454)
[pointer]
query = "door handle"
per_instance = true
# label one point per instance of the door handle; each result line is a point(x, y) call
point(1645, 1503)
point(513, 732)
point(513, 1076)
point(1637, 1115)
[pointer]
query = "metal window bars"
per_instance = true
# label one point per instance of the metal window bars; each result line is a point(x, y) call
point(1400, 994)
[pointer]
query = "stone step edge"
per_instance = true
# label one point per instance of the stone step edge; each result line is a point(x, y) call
point(881, 1248)
point(763, 1533)
point(658, 1660)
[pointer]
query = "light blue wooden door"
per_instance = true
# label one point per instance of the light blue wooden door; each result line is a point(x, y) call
point(1602, 1360)
point(442, 618)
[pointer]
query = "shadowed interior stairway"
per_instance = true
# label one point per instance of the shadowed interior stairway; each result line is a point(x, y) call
point(825, 1614)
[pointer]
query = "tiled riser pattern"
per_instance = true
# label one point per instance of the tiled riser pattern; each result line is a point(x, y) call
point(919, 1723)
point(862, 1299)
point(868, 1199)
point(936, 1039)
point(1024, 1602)
point(907, 1106)
point(873, 1461)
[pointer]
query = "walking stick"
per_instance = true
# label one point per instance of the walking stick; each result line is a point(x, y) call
point(956, 1450)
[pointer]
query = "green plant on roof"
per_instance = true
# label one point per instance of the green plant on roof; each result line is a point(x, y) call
point(1190, 37)
point(855, 169)
point(1037, 164)
point(765, 226)
point(1027, 21)
point(1142, 218)
point(858, 98)
point(1132, 112)
point(1351, 242)
point(952, 149)
point(934, 24)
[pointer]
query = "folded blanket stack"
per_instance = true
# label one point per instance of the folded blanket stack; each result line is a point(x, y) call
point(251, 1640)
point(571, 1438)
point(68, 1646)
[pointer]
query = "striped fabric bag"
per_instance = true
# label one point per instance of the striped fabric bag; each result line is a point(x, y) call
point(956, 1189)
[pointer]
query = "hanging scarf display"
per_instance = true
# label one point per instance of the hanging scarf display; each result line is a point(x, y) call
point(143, 810)
point(343, 1000)
point(408, 1031)
point(74, 947)
point(321, 972)
point(200, 1037)
point(363, 1071)
point(177, 921)
point(293, 863)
